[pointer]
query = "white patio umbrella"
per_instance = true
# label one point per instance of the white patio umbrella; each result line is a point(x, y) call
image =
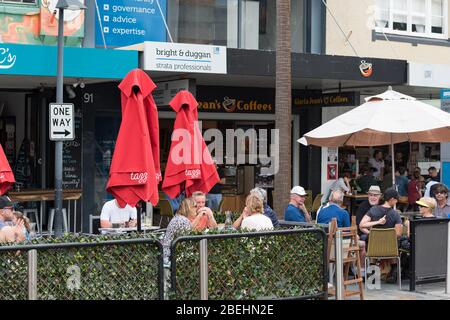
point(387, 118)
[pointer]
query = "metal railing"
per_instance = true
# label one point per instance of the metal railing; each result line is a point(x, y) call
point(279, 264)
point(114, 269)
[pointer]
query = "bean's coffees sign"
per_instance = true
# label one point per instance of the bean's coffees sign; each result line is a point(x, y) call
point(235, 100)
point(262, 100)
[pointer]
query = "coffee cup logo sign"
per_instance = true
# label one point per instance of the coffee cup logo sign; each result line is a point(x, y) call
point(229, 104)
point(140, 177)
point(193, 174)
point(366, 68)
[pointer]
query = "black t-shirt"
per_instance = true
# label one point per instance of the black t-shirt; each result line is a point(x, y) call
point(218, 187)
point(363, 208)
point(392, 216)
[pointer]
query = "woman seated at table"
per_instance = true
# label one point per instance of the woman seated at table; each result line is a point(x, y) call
point(252, 217)
point(204, 217)
point(179, 224)
point(426, 208)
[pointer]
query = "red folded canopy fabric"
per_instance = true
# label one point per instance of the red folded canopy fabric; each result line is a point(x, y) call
point(6, 175)
point(135, 168)
point(190, 166)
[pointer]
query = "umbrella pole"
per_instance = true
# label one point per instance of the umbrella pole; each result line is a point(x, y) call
point(393, 165)
point(139, 218)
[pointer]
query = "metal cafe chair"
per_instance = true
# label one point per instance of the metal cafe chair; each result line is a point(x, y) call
point(165, 210)
point(383, 245)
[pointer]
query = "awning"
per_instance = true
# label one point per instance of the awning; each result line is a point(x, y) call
point(34, 60)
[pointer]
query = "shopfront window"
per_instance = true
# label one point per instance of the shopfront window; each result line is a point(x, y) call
point(106, 129)
point(421, 18)
point(246, 24)
point(19, 1)
point(360, 161)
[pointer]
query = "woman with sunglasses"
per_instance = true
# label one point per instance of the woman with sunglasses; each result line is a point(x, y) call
point(442, 209)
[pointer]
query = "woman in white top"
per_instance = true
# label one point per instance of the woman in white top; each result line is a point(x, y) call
point(252, 217)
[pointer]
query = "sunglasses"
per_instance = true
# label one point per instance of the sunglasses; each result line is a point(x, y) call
point(441, 192)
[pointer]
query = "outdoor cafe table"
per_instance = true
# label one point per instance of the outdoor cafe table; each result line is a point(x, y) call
point(128, 229)
point(42, 195)
point(353, 199)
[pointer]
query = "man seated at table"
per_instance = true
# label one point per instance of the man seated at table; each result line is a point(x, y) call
point(296, 210)
point(334, 210)
point(205, 214)
point(112, 213)
point(374, 196)
point(6, 212)
point(383, 216)
point(366, 179)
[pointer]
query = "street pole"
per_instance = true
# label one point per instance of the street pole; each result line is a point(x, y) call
point(59, 144)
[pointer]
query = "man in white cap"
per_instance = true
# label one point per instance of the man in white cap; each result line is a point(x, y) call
point(296, 210)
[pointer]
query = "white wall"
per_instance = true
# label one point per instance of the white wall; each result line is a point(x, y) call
point(327, 115)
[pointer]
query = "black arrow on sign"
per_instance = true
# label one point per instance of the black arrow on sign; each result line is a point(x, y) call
point(65, 132)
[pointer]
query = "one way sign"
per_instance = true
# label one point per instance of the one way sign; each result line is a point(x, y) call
point(61, 122)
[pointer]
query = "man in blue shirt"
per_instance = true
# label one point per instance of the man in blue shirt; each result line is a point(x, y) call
point(296, 210)
point(6, 211)
point(334, 210)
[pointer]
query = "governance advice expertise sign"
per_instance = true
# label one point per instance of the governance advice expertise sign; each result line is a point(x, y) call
point(180, 57)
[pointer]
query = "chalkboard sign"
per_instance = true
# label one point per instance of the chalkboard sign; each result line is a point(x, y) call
point(72, 170)
point(428, 251)
point(22, 169)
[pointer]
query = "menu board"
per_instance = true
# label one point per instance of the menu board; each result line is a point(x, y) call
point(72, 170)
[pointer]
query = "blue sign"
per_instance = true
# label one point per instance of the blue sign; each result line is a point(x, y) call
point(78, 62)
point(126, 22)
point(446, 173)
point(445, 100)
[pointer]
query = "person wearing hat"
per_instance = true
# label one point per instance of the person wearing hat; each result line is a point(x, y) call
point(426, 207)
point(374, 196)
point(384, 216)
point(6, 211)
point(296, 210)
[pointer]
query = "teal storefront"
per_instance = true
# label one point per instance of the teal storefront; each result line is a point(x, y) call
point(27, 86)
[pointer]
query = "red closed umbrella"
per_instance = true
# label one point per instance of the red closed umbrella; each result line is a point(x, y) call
point(190, 165)
point(135, 168)
point(6, 175)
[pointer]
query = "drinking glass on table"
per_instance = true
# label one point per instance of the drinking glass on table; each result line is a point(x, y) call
point(32, 230)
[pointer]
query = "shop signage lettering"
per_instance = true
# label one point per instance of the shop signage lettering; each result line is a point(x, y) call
point(180, 57)
point(234, 105)
point(165, 91)
point(127, 22)
point(235, 99)
point(7, 59)
point(327, 100)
